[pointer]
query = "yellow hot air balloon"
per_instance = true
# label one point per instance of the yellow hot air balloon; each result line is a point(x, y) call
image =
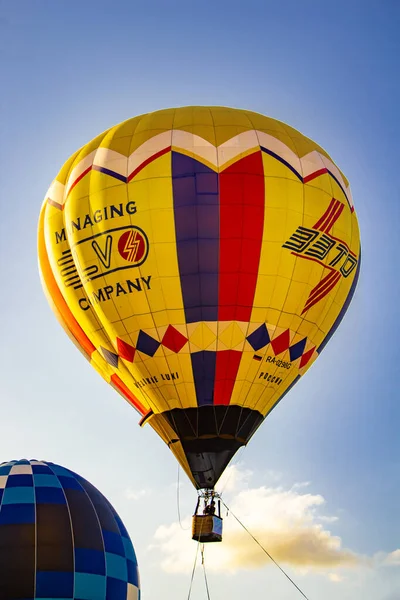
point(200, 258)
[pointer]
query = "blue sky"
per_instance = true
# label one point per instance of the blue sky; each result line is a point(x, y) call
point(72, 69)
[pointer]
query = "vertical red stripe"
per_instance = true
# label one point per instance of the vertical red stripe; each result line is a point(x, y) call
point(241, 229)
point(226, 370)
point(322, 284)
point(322, 293)
point(326, 215)
point(334, 217)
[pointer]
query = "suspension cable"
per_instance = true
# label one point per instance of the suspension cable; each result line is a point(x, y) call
point(178, 501)
point(195, 562)
point(234, 463)
point(193, 570)
point(266, 552)
point(204, 571)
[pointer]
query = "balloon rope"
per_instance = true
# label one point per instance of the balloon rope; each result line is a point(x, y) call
point(266, 552)
point(233, 463)
point(195, 563)
point(178, 502)
point(204, 571)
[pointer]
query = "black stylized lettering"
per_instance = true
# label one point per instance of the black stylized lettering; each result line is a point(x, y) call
point(84, 304)
point(133, 285)
point(146, 280)
point(60, 236)
point(120, 289)
point(108, 291)
point(104, 256)
point(116, 210)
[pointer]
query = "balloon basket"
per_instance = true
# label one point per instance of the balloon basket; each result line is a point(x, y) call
point(207, 527)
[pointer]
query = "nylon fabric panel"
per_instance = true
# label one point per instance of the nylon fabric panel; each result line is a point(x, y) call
point(196, 211)
point(242, 219)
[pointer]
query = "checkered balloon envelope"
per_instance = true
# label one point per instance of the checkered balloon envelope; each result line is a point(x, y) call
point(61, 538)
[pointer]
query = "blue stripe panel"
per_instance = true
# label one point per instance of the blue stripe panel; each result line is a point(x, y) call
point(196, 212)
point(203, 365)
point(19, 495)
point(116, 566)
point(133, 573)
point(46, 481)
point(129, 551)
point(113, 543)
point(116, 589)
point(90, 561)
point(49, 495)
point(340, 185)
point(89, 586)
point(6, 469)
point(69, 483)
point(61, 471)
point(110, 172)
point(297, 349)
point(121, 526)
point(41, 469)
point(344, 308)
point(54, 584)
point(17, 513)
point(104, 511)
point(19, 481)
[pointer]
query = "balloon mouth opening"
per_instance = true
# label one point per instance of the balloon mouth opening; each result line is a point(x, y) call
point(205, 439)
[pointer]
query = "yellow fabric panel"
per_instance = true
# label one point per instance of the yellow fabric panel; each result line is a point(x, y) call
point(128, 308)
point(325, 183)
point(247, 373)
point(271, 395)
point(51, 289)
point(77, 300)
point(64, 273)
point(127, 128)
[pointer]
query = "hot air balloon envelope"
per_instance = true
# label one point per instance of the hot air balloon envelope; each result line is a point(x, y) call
point(200, 258)
point(61, 538)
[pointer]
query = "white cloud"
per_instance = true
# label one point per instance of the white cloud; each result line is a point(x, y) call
point(335, 577)
point(392, 559)
point(136, 494)
point(326, 519)
point(286, 523)
point(233, 478)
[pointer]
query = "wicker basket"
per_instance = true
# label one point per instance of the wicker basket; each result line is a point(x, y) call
point(206, 528)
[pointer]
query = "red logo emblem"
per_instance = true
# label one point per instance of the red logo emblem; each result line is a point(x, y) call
point(133, 245)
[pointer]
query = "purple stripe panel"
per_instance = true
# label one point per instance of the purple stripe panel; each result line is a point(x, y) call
point(203, 365)
point(111, 173)
point(196, 211)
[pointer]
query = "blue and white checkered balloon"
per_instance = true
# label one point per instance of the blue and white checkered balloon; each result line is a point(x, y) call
point(61, 538)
